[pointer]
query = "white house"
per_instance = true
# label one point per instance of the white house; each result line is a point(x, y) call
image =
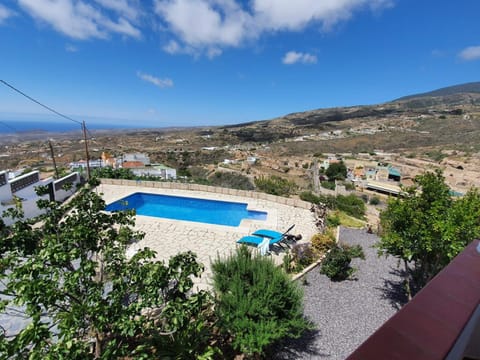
point(82, 164)
point(158, 170)
point(22, 189)
point(144, 158)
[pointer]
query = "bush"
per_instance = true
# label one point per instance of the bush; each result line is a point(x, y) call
point(321, 243)
point(355, 251)
point(375, 200)
point(330, 185)
point(333, 220)
point(111, 173)
point(231, 180)
point(352, 205)
point(302, 255)
point(336, 264)
point(275, 185)
point(310, 197)
point(257, 303)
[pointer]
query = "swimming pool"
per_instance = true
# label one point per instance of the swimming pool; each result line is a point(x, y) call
point(187, 209)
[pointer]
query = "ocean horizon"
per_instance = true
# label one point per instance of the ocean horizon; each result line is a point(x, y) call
point(19, 126)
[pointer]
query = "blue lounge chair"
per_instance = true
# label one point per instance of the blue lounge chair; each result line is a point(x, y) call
point(272, 233)
point(257, 240)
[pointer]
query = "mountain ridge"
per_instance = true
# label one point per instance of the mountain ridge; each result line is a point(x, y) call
point(470, 87)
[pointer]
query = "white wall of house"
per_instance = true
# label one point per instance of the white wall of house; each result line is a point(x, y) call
point(5, 190)
point(28, 196)
point(137, 157)
point(61, 194)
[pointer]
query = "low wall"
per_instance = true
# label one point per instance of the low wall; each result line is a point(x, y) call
point(213, 189)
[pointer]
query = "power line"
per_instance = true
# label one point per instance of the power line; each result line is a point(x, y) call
point(39, 103)
point(8, 126)
point(84, 127)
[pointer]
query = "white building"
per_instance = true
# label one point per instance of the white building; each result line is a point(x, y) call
point(157, 170)
point(82, 164)
point(21, 190)
point(144, 158)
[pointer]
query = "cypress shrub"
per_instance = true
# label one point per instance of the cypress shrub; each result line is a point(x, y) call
point(256, 302)
point(336, 264)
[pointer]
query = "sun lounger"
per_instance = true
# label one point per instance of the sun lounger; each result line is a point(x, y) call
point(264, 238)
point(271, 233)
point(257, 240)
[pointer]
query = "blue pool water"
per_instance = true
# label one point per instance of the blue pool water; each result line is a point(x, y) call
point(188, 209)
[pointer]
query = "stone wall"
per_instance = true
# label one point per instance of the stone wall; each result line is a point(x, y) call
point(213, 189)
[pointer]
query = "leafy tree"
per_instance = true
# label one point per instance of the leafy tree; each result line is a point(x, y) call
point(427, 228)
point(257, 303)
point(68, 274)
point(336, 171)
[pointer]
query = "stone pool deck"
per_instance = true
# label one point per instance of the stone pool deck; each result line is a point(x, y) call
point(169, 237)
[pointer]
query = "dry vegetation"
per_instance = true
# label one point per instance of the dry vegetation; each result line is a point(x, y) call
point(416, 134)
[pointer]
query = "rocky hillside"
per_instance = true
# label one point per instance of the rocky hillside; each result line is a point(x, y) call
point(441, 117)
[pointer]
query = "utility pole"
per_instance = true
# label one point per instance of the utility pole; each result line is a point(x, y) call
point(316, 180)
point(86, 148)
point(53, 159)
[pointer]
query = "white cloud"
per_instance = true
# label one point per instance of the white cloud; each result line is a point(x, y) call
point(293, 57)
point(210, 25)
point(128, 9)
point(161, 83)
point(71, 48)
point(173, 47)
point(470, 53)
point(77, 19)
point(5, 13)
point(205, 22)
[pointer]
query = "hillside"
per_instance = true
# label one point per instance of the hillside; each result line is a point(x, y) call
point(473, 87)
point(450, 119)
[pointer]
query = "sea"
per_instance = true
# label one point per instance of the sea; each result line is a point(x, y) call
point(16, 127)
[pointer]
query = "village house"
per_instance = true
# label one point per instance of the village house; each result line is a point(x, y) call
point(21, 191)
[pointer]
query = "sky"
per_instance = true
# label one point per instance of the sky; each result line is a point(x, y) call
point(169, 63)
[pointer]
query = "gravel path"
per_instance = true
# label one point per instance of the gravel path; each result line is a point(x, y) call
point(346, 313)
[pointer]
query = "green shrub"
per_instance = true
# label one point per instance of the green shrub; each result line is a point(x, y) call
point(231, 180)
point(310, 197)
point(256, 302)
point(287, 263)
point(355, 251)
point(336, 264)
point(111, 173)
point(330, 185)
point(321, 243)
point(352, 205)
point(275, 185)
point(333, 220)
point(375, 200)
point(302, 256)
point(329, 200)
